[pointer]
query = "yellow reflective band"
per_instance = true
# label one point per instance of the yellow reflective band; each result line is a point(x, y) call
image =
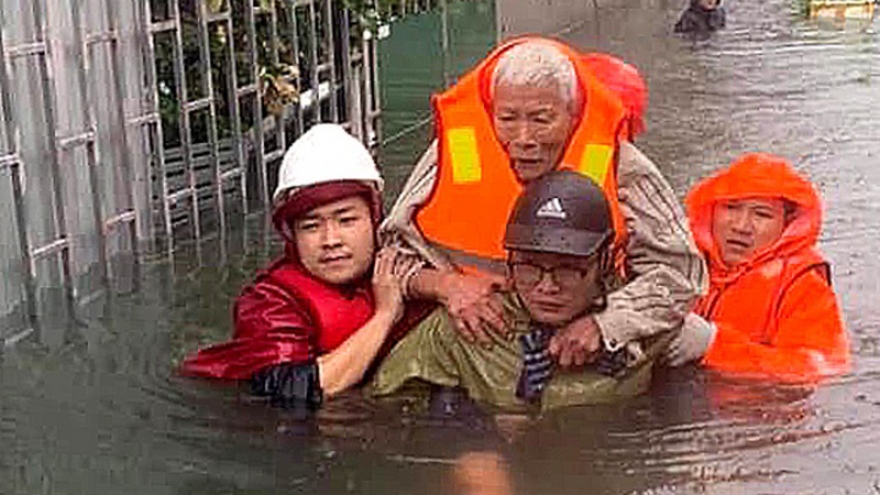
point(596, 161)
point(462, 143)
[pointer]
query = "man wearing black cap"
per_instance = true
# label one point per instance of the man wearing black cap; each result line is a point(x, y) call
point(558, 239)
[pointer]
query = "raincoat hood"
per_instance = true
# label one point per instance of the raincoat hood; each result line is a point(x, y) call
point(755, 175)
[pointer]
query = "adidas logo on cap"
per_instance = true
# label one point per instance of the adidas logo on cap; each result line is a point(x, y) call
point(551, 209)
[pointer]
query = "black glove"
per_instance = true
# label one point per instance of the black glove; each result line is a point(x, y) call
point(289, 385)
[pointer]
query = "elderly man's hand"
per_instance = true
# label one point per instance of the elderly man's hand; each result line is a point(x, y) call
point(577, 343)
point(475, 304)
point(692, 342)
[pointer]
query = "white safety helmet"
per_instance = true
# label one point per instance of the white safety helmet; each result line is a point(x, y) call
point(325, 153)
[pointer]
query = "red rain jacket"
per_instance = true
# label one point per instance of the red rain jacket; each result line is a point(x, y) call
point(286, 315)
point(776, 313)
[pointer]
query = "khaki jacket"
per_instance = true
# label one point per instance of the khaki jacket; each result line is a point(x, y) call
point(434, 352)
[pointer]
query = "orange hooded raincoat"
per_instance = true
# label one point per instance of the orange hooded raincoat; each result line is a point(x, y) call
point(776, 313)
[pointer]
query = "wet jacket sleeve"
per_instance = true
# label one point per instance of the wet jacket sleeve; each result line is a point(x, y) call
point(810, 342)
point(399, 229)
point(290, 385)
point(271, 327)
point(667, 272)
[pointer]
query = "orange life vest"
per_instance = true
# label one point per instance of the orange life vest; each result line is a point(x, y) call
point(761, 290)
point(763, 327)
point(475, 187)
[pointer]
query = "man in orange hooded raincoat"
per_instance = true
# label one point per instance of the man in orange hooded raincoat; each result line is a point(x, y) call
point(770, 311)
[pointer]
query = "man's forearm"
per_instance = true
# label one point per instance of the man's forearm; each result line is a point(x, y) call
point(652, 303)
point(346, 365)
point(667, 271)
point(427, 283)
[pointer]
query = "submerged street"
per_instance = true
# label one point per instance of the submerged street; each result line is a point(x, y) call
point(101, 410)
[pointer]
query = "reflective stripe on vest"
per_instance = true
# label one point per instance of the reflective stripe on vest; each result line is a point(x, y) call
point(475, 187)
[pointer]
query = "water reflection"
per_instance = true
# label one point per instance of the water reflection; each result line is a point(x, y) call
point(101, 411)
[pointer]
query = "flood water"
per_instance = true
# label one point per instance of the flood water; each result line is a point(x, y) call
point(97, 409)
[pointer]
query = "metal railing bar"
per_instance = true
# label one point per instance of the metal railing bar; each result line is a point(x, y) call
point(294, 36)
point(18, 337)
point(162, 26)
point(197, 150)
point(184, 120)
point(208, 81)
point(88, 139)
point(153, 139)
point(366, 96)
point(232, 95)
point(28, 279)
point(275, 155)
point(307, 97)
point(58, 245)
point(331, 58)
point(127, 165)
point(200, 104)
point(218, 17)
point(65, 143)
point(147, 118)
point(345, 50)
point(259, 148)
point(27, 260)
point(174, 197)
point(11, 160)
point(275, 60)
point(375, 94)
point(313, 56)
point(85, 300)
point(9, 123)
point(124, 217)
point(246, 90)
point(26, 49)
point(231, 174)
point(106, 36)
point(46, 84)
point(273, 34)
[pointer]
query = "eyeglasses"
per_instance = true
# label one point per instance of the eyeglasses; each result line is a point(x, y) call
point(529, 275)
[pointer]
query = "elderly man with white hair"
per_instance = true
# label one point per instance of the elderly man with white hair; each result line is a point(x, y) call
point(531, 106)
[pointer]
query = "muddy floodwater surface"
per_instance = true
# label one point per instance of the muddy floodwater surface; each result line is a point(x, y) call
point(98, 409)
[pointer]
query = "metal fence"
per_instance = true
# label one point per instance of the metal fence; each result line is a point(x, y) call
point(139, 125)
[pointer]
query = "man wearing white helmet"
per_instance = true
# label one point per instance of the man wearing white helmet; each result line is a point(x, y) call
point(313, 322)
